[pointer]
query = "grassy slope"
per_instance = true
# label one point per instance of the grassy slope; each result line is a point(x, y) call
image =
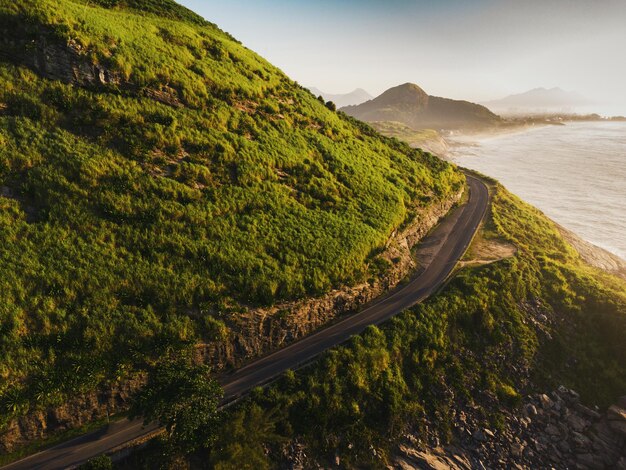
point(125, 222)
point(415, 138)
point(473, 344)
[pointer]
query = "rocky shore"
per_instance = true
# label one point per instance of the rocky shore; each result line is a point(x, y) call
point(551, 431)
point(594, 255)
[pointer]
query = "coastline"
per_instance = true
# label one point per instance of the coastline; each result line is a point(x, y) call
point(467, 138)
point(572, 174)
point(460, 138)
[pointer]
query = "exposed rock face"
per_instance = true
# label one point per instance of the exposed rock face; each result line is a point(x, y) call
point(70, 63)
point(262, 330)
point(89, 407)
point(51, 59)
point(549, 431)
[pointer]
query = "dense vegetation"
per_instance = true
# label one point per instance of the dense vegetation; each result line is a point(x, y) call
point(192, 182)
point(480, 343)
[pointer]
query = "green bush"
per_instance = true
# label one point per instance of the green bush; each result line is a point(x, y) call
point(183, 398)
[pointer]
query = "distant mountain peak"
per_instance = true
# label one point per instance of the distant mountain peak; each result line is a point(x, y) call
point(358, 96)
point(410, 88)
point(411, 105)
point(539, 99)
point(406, 96)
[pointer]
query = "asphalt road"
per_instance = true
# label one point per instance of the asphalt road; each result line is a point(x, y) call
point(437, 254)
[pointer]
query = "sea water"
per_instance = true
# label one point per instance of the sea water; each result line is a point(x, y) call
point(575, 174)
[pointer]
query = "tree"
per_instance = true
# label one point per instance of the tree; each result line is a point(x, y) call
point(243, 440)
point(184, 399)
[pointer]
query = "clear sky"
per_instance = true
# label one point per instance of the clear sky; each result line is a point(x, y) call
point(467, 49)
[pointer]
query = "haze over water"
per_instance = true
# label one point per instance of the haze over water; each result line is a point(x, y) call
point(576, 174)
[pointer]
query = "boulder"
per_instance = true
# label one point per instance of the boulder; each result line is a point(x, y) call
point(552, 430)
point(616, 413)
point(530, 410)
point(577, 423)
point(617, 419)
point(479, 436)
point(545, 402)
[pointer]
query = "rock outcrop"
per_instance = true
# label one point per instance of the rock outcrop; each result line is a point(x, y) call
point(84, 409)
point(43, 53)
point(71, 63)
point(548, 431)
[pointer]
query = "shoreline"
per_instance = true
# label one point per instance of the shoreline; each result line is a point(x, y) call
point(460, 138)
point(465, 138)
point(476, 150)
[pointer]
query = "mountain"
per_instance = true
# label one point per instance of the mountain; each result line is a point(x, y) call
point(412, 106)
point(161, 186)
point(539, 100)
point(355, 97)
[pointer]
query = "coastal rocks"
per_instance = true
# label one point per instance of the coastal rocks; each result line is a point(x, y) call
point(551, 431)
point(595, 256)
point(261, 330)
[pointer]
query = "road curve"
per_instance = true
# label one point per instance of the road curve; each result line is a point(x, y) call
point(438, 253)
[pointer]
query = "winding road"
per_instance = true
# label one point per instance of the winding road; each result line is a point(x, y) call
point(437, 255)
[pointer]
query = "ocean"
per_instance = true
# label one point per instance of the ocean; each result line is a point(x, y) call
point(575, 174)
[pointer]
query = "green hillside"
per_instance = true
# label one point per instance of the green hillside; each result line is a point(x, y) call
point(155, 172)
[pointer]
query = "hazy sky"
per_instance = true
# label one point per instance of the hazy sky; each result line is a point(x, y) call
point(470, 49)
